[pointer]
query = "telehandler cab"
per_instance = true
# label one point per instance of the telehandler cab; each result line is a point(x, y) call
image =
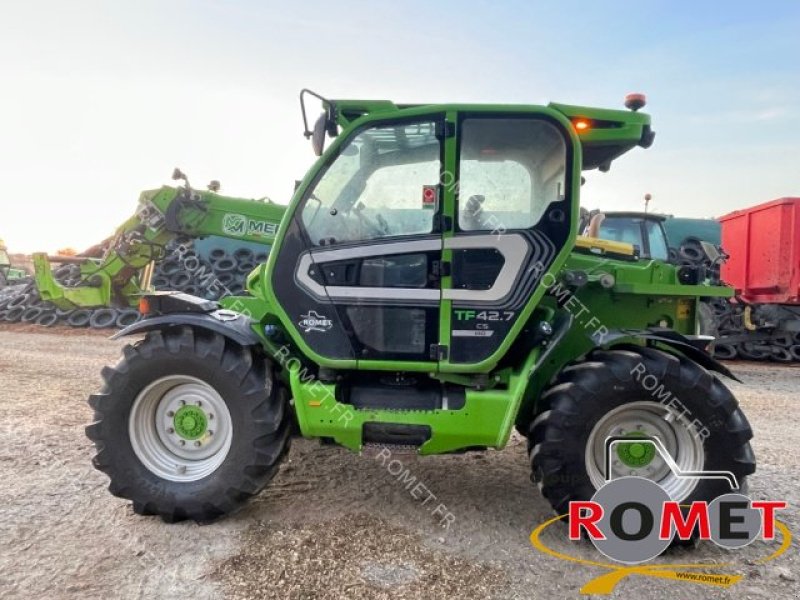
point(426, 289)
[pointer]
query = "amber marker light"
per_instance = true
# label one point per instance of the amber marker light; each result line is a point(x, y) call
point(581, 125)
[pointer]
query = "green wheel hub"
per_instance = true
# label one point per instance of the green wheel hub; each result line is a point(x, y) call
point(636, 454)
point(190, 422)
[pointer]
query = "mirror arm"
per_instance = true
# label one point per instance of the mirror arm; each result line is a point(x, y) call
point(327, 104)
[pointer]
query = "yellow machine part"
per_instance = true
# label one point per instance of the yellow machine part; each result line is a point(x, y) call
point(606, 247)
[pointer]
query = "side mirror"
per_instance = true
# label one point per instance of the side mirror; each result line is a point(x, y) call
point(326, 123)
point(318, 134)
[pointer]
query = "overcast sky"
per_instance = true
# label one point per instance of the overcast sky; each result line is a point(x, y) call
point(100, 100)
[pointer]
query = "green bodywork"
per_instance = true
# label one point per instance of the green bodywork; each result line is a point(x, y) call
point(502, 390)
point(162, 215)
point(645, 294)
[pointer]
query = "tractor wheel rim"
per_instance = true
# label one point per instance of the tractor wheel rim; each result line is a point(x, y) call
point(180, 428)
point(646, 418)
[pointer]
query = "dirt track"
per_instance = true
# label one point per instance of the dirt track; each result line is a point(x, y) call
point(332, 524)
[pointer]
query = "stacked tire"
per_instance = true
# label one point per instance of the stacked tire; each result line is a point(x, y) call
point(218, 274)
point(721, 318)
point(22, 304)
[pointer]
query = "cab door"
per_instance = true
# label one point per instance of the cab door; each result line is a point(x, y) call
point(512, 218)
point(359, 269)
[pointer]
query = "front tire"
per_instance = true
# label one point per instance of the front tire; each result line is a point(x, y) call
point(602, 396)
point(189, 425)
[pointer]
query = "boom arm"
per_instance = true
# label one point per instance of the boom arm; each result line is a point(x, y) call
point(161, 216)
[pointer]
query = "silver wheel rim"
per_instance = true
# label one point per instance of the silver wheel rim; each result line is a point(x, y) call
point(655, 420)
point(157, 444)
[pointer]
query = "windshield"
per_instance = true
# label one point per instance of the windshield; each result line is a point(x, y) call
point(630, 229)
point(377, 186)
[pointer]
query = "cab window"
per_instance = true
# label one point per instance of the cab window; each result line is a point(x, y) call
point(622, 229)
point(375, 188)
point(510, 170)
point(657, 239)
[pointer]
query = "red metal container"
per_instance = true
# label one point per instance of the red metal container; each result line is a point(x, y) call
point(764, 246)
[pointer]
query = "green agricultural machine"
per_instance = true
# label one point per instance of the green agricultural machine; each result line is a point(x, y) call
point(426, 290)
point(8, 274)
point(122, 275)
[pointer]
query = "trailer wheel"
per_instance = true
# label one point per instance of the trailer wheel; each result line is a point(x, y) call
point(602, 396)
point(189, 425)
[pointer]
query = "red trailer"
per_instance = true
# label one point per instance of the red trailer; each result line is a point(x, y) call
point(764, 246)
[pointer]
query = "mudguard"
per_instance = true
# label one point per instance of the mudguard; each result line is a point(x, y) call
point(227, 323)
point(679, 342)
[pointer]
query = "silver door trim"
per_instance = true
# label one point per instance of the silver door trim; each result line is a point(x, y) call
point(344, 292)
point(514, 248)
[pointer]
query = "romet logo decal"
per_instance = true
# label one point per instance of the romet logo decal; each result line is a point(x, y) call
point(240, 225)
point(313, 321)
point(632, 520)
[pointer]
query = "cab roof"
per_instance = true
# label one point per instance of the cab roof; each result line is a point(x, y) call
point(605, 134)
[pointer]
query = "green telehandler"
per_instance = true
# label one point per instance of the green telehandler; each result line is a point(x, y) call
point(426, 290)
point(123, 272)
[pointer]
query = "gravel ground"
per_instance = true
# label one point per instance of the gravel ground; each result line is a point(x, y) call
point(332, 524)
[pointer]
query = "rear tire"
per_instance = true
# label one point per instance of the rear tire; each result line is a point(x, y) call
point(587, 394)
point(173, 371)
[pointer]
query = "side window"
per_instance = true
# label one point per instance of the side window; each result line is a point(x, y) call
point(658, 241)
point(510, 170)
point(375, 186)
